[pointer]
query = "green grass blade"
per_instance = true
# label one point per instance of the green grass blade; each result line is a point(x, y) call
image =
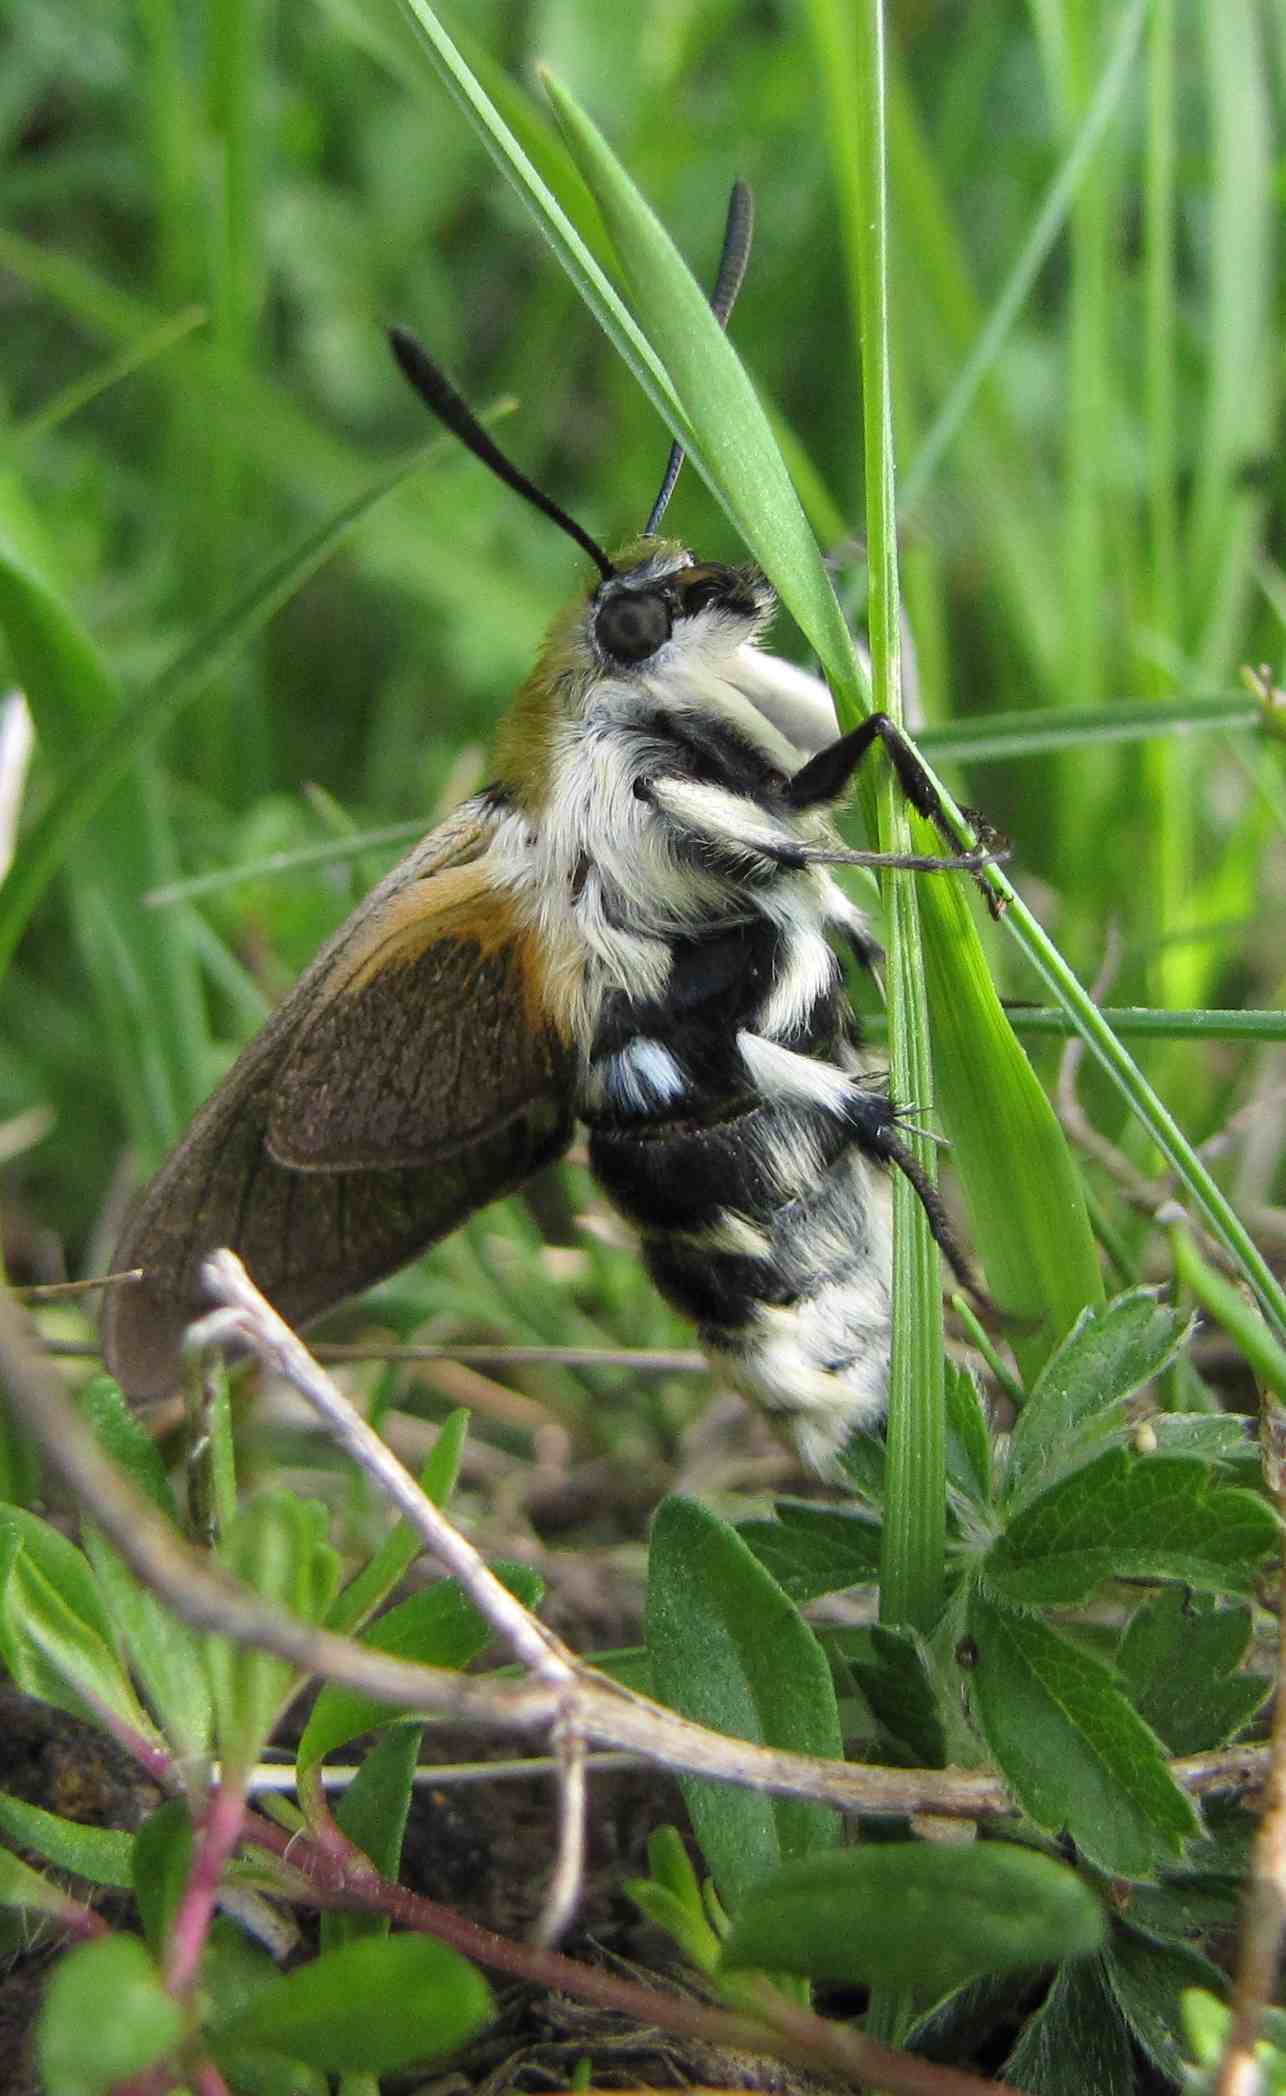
point(554, 223)
point(143, 972)
point(1024, 1195)
point(1045, 229)
point(851, 54)
point(998, 738)
point(91, 775)
point(732, 443)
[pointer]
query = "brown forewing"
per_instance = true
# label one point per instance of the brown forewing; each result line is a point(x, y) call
point(406, 1081)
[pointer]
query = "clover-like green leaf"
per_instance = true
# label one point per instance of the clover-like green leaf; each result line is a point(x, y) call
point(1181, 1657)
point(1111, 1351)
point(1130, 1516)
point(899, 1680)
point(1076, 2041)
point(1078, 1758)
point(812, 1550)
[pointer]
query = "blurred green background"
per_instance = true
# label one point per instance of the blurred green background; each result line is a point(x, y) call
point(235, 200)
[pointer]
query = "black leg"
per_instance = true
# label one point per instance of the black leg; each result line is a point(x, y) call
point(874, 1118)
point(826, 775)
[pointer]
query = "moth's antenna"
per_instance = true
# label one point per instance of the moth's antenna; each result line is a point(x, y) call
point(438, 394)
point(737, 236)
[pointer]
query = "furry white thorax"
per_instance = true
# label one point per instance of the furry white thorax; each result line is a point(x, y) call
point(599, 880)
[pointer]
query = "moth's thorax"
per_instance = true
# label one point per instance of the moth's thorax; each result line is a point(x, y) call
point(593, 869)
point(701, 615)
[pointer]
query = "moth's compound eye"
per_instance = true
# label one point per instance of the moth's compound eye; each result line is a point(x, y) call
point(632, 625)
point(698, 589)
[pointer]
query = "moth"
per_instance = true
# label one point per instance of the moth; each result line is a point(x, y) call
point(634, 927)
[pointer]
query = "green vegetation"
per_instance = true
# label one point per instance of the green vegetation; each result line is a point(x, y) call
point(259, 609)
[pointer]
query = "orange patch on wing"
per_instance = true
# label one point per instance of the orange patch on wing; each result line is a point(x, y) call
point(461, 904)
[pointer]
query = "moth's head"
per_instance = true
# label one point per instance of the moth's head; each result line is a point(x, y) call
point(662, 610)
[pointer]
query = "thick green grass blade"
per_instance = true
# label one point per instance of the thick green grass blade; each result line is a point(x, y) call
point(734, 447)
point(1024, 1197)
point(851, 51)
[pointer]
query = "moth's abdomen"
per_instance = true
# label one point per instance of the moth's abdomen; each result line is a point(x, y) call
point(719, 1125)
point(770, 1230)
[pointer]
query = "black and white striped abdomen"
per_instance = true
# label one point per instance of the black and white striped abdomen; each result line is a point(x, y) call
point(719, 1125)
point(771, 1231)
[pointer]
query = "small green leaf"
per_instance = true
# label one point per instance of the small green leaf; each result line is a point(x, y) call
point(1224, 1438)
point(373, 1813)
point(63, 1566)
point(1076, 2042)
point(1064, 1737)
point(671, 1866)
point(968, 1436)
point(1109, 1353)
point(1148, 1980)
point(253, 2073)
point(1128, 1516)
point(690, 1931)
point(25, 1888)
point(916, 1914)
point(900, 1683)
point(729, 1650)
point(165, 1653)
point(1180, 1658)
point(671, 1899)
point(1205, 2020)
point(368, 2008)
point(439, 1627)
point(162, 1866)
point(234, 1972)
point(54, 1648)
point(120, 1435)
point(99, 1854)
point(864, 1461)
point(812, 1550)
point(106, 2016)
point(400, 1548)
point(277, 1545)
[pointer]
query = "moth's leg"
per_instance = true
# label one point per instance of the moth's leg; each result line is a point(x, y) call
point(730, 825)
point(739, 831)
point(827, 775)
point(779, 1073)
